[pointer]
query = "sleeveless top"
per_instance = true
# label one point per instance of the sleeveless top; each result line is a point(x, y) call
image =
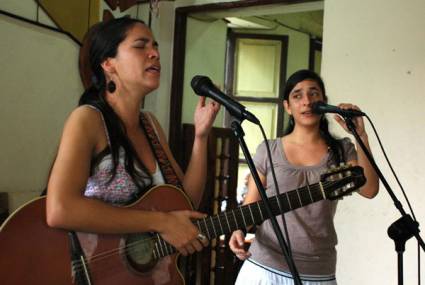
point(121, 190)
point(311, 229)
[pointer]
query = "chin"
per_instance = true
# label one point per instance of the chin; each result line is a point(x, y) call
point(151, 85)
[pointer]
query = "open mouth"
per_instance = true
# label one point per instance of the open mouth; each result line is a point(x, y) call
point(307, 113)
point(154, 68)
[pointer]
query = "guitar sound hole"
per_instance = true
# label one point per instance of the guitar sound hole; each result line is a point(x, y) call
point(139, 252)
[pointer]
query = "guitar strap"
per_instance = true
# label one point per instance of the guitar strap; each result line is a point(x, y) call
point(170, 176)
point(168, 172)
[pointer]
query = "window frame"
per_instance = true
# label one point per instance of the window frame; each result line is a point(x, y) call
point(232, 37)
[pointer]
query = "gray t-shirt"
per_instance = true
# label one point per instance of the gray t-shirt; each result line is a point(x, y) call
point(311, 228)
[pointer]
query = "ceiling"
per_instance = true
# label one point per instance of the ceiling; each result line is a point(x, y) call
point(310, 22)
point(303, 17)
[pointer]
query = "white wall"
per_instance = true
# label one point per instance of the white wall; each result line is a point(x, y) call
point(373, 56)
point(40, 85)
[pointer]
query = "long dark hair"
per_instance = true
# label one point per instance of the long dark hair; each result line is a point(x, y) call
point(301, 75)
point(103, 40)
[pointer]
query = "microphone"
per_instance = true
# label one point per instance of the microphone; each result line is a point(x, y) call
point(203, 86)
point(321, 107)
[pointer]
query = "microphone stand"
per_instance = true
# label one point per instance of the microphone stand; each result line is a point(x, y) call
point(239, 133)
point(405, 227)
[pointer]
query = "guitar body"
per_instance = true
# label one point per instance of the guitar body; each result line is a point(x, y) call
point(31, 252)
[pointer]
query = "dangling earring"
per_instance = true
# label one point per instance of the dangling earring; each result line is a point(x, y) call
point(111, 86)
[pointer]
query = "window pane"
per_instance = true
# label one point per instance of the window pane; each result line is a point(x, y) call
point(267, 114)
point(257, 68)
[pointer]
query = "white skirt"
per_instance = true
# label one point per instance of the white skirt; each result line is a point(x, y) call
point(253, 273)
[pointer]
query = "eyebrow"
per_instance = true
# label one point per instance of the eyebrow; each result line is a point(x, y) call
point(146, 40)
point(310, 88)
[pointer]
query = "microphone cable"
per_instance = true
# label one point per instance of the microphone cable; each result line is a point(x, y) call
point(402, 191)
point(277, 189)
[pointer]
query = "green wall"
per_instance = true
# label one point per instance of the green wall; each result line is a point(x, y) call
point(205, 55)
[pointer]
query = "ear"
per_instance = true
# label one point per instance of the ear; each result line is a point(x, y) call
point(108, 65)
point(286, 106)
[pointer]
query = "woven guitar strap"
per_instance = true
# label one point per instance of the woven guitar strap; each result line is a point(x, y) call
point(167, 170)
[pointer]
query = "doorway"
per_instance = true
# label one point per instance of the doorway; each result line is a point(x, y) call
point(223, 41)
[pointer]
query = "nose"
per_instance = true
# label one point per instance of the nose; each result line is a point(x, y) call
point(307, 100)
point(154, 53)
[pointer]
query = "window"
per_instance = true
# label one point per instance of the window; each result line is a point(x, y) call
point(255, 73)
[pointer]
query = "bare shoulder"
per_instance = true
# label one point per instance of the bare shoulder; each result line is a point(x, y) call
point(85, 113)
point(86, 122)
point(85, 116)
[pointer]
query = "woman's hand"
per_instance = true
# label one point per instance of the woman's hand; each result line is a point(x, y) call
point(236, 244)
point(204, 117)
point(358, 120)
point(179, 231)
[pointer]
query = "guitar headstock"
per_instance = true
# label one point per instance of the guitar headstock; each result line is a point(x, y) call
point(343, 180)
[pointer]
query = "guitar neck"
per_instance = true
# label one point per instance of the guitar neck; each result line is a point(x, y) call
point(255, 213)
point(248, 215)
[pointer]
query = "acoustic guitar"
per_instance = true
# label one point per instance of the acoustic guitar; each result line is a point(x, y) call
point(33, 253)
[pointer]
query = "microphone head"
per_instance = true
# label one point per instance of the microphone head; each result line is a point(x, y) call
point(319, 107)
point(198, 83)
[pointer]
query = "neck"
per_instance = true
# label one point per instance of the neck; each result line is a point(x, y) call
point(305, 135)
point(127, 105)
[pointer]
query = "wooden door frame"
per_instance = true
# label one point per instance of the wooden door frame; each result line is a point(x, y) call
point(175, 135)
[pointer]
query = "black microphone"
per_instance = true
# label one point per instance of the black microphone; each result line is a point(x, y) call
point(321, 107)
point(203, 86)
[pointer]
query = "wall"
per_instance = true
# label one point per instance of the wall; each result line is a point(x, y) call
point(205, 55)
point(40, 85)
point(373, 55)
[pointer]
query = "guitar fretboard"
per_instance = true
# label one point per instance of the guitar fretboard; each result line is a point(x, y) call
point(251, 214)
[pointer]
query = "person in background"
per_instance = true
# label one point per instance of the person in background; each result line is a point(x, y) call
point(306, 151)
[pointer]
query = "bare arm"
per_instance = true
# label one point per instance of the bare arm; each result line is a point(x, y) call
point(195, 176)
point(371, 188)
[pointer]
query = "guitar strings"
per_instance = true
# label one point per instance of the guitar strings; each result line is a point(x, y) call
point(126, 248)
